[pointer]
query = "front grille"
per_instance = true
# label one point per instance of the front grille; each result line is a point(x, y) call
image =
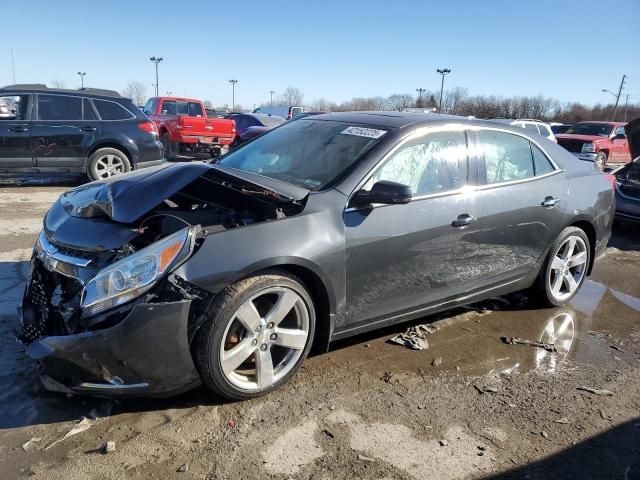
point(571, 145)
point(72, 252)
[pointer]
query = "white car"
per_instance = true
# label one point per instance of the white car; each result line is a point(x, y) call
point(537, 126)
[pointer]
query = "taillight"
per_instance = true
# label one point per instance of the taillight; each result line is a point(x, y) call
point(148, 127)
point(611, 179)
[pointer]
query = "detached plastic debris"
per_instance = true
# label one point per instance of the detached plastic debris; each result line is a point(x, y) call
point(415, 337)
point(79, 427)
point(596, 391)
point(549, 347)
point(27, 445)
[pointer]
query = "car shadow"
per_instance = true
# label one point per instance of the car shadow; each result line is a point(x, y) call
point(42, 180)
point(611, 454)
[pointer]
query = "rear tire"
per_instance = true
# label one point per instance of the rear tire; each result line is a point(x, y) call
point(107, 162)
point(257, 334)
point(564, 269)
point(169, 148)
point(601, 161)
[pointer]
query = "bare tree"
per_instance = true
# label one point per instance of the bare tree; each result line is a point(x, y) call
point(400, 101)
point(58, 83)
point(292, 96)
point(136, 91)
point(323, 105)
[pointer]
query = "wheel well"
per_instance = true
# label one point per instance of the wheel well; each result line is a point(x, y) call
point(590, 231)
point(320, 298)
point(115, 145)
point(605, 151)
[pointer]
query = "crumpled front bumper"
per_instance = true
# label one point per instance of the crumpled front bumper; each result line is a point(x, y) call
point(145, 354)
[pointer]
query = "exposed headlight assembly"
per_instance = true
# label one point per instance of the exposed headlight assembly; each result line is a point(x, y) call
point(588, 147)
point(130, 277)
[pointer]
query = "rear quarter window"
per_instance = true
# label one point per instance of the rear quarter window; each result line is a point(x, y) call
point(112, 110)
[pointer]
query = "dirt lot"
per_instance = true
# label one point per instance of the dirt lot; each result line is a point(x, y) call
point(470, 406)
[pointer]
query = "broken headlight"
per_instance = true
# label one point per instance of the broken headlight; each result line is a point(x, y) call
point(130, 277)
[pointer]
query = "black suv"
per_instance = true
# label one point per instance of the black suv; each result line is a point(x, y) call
point(97, 132)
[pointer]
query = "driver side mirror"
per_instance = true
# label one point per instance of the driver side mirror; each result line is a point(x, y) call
point(385, 192)
point(619, 136)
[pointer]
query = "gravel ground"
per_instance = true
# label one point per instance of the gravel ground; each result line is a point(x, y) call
point(470, 406)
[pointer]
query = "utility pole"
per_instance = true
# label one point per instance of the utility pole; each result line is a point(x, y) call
point(13, 67)
point(615, 109)
point(626, 104)
point(233, 94)
point(82, 74)
point(420, 92)
point(271, 92)
point(443, 72)
point(156, 60)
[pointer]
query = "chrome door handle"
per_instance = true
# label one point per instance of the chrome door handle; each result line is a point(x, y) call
point(463, 221)
point(549, 202)
point(88, 129)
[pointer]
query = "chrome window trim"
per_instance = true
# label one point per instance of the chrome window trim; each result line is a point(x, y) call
point(81, 97)
point(466, 188)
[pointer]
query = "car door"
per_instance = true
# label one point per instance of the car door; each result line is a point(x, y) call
point(620, 146)
point(521, 204)
point(15, 131)
point(400, 258)
point(63, 129)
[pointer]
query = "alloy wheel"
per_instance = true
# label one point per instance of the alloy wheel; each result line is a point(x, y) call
point(568, 268)
point(109, 165)
point(265, 339)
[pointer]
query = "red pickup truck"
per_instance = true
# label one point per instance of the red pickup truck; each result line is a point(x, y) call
point(183, 126)
point(603, 143)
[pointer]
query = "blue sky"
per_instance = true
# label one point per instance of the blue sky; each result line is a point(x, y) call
point(568, 50)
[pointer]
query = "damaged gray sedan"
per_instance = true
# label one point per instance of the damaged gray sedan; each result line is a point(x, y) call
point(228, 274)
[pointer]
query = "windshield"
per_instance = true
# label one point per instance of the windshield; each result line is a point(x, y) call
point(307, 153)
point(598, 129)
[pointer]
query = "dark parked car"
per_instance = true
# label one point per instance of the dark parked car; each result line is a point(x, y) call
point(90, 131)
point(252, 125)
point(329, 226)
point(628, 178)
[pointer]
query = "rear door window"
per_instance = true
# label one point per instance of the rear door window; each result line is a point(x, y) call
point(545, 131)
point(111, 110)
point(59, 107)
point(541, 163)
point(195, 109)
point(507, 157)
point(150, 106)
point(168, 107)
point(87, 110)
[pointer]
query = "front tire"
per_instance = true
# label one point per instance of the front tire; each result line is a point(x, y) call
point(601, 161)
point(258, 333)
point(107, 162)
point(565, 268)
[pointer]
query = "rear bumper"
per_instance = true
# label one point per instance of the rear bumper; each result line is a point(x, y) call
point(145, 354)
point(205, 140)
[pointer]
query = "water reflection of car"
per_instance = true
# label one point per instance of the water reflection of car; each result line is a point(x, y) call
point(252, 125)
point(628, 178)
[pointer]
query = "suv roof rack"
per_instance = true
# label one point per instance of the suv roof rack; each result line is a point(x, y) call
point(42, 87)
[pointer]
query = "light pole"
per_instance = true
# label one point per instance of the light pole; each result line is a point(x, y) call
point(233, 94)
point(156, 60)
point(443, 72)
point(82, 74)
point(615, 108)
point(420, 92)
point(271, 92)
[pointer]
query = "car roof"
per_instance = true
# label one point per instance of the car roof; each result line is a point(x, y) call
point(601, 122)
point(40, 87)
point(397, 119)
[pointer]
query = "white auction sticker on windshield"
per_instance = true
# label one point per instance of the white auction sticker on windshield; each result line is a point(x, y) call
point(363, 132)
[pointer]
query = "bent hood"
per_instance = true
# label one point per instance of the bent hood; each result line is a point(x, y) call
point(632, 130)
point(126, 198)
